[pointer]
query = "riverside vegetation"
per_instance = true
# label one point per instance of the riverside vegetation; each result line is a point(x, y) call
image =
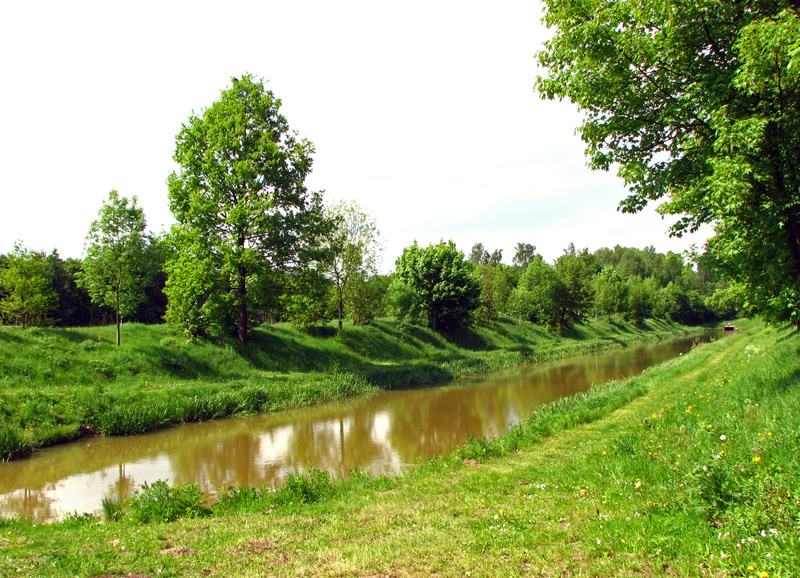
point(60, 384)
point(688, 469)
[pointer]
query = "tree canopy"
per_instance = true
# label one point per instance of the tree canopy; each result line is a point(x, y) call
point(114, 271)
point(696, 104)
point(241, 205)
point(441, 284)
point(26, 295)
point(354, 251)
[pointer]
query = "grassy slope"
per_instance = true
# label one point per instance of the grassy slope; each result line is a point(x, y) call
point(59, 384)
point(690, 469)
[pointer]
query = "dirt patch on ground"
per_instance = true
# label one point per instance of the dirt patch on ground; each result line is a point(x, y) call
point(124, 576)
point(178, 551)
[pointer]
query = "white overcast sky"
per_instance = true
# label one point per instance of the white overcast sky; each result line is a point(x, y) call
point(422, 111)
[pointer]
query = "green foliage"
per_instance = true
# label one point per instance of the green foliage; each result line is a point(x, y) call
point(495, 289)
point(114, 271)
point(307, 298)
point(304, 489)
point(241, 205)
point(524, 255)
point(610, 292)
point(158, 502)
point(26, 295)
point(113, 508)
point(401, 302)
point(443, 288)
point(540, 295)
point(354, 253)
point(576, 270)
point(696, 104)
point(364, 298)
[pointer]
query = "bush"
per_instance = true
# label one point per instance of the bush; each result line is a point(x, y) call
point(160, 503)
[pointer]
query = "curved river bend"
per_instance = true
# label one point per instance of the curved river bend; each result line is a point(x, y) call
point(380, 433)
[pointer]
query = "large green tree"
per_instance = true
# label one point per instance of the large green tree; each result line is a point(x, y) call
point(541, 296)
point(26, 294)
point(441, 283)
point(241, 205)
point(114, 271)
point(695, 103)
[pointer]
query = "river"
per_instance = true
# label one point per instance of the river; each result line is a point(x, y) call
point(381, 433)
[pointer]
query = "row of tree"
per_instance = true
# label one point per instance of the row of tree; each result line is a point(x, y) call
point(252, 244)
point(434, 285)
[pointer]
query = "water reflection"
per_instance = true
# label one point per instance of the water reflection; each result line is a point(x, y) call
point(381, 433)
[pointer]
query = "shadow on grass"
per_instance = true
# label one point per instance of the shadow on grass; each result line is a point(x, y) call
point(375, 342)
point(467, 338)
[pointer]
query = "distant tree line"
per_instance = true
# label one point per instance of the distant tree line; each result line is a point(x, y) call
point(252, 245)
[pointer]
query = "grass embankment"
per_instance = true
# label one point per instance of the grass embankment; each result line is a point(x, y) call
point(59, 384)
point(690, 469)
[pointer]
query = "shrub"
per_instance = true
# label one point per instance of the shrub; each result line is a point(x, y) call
point(160, 503)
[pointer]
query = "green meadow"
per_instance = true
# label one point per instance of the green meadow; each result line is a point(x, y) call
point(57, 385)
point(689, 469)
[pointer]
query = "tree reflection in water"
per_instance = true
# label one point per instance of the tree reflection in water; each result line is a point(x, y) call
point(380, 433)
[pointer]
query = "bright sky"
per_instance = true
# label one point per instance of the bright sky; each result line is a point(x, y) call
point(423, 111)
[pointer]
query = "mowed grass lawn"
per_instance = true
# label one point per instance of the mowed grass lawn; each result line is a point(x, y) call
point(691, 469)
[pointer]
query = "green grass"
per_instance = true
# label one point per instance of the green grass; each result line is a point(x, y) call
point(57, 385)
point(689, 469)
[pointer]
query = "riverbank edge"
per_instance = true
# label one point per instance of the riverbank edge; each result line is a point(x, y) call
point(268, 524)
point(80, 411)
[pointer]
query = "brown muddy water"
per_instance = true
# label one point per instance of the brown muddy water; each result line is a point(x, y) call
point(381, 433)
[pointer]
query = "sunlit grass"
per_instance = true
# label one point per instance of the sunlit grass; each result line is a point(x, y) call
point(690, 469)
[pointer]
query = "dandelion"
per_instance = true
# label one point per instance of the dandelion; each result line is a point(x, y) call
point(757, 459)
point(764, 574)
point(623, 541)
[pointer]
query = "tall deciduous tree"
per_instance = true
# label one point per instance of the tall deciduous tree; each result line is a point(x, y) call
point(114, 271)
point(241, 205)
point(696, 104)
point(355, 250)
point(524, 254)
point(540, 296)
point(442, 285)
point(26, 295)
point(493, 279)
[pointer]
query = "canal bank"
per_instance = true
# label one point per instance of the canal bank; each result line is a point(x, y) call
point(381, 434)
point(60, 385)
point(625, 485)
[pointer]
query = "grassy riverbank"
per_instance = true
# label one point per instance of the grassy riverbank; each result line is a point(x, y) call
point(59, 384)
point(690, 469)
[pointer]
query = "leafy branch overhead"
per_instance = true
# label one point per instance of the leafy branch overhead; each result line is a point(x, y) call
point(696, 104)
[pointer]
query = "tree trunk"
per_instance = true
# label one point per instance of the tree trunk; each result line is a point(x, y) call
point(341, 306)
point(243, 336)
point(118, 319)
